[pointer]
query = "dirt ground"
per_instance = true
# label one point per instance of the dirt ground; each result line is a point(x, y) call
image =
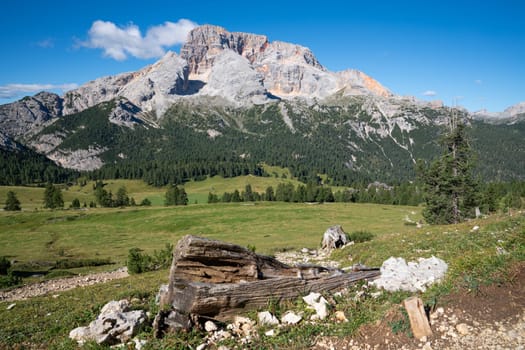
point(491, 317)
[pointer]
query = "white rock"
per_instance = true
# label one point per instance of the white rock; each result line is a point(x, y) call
point(291, 318)
point(397, 275)
point(270, 333)
point(201, 346)
point(11, 306)
point(475, 228)
point(318, 303)
point(210, 326)
point(266, 318)
point(139, 344)
point(115, 306)
point(80, 334)
point(114, 324)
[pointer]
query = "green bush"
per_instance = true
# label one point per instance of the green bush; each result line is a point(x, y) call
point(139, 262)
point(4, 265)
point(360, 236)
point(9, 280)
point(71, 264)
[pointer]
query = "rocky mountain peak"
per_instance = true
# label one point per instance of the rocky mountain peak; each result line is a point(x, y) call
point(34, 111)
point(206, 41)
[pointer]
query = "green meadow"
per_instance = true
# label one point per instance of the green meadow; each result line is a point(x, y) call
point(110, 233)
point(37, 235)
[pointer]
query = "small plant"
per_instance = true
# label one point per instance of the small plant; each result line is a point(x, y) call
point(402, 324)
point(360, 236)
point(251, 248)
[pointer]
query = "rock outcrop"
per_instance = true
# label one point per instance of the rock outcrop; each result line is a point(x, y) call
point(29, 114)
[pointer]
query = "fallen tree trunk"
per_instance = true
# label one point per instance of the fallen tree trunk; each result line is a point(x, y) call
point(213, 279)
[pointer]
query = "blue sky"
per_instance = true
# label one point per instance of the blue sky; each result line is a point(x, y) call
point(472, 52)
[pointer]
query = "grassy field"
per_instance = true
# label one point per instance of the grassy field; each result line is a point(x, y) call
point(32, 198)
point(46, 321)
point(110, 233)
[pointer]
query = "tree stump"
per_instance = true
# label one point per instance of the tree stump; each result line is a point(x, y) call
point(214, 279)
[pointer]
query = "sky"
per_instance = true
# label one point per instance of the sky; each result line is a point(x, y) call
point(467, 53)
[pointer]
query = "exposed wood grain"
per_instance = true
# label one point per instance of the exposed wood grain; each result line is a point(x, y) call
point(214, 279)
point(418, 318)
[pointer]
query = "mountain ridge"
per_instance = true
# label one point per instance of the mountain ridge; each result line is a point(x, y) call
point(226, 85)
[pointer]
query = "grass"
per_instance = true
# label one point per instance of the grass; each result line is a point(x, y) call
point(473, 259)
point(110, 233)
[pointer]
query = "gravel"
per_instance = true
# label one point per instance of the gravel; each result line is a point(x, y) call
point(62, 284)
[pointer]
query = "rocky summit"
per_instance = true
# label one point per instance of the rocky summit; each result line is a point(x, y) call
point(238, 89)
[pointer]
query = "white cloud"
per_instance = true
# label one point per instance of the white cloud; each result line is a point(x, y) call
point(429, 93)
point(121, 42)
point(478, 81)
point(10, 91)
point(46, 43)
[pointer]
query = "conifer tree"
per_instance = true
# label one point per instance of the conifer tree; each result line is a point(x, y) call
point(12, 203)
point(53, 197)
point(448, 183)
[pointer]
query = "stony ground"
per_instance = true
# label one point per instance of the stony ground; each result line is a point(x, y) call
point(492, 317)
point(59, 285)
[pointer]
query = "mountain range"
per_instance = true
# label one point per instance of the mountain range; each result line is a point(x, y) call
point(237, 100)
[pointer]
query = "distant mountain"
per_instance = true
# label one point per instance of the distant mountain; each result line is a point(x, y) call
point(510, 115)
point(230, 101)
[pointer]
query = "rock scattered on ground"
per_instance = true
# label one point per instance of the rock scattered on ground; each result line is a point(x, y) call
point(116, 324)
point(62, 284)
point(307, 256)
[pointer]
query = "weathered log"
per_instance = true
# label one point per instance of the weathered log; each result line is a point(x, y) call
point(211, 261)
point(214, 279)
point(222, 301)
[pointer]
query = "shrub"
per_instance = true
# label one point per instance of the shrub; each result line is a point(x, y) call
point(70, 264)
point(145, 202)
point(360, 236)
point(9, 280)
point(4, 265)
point(139, 262)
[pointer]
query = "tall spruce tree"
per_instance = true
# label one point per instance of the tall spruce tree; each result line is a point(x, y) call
point(448, 183)
point(53, 197)
point(12, 203)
